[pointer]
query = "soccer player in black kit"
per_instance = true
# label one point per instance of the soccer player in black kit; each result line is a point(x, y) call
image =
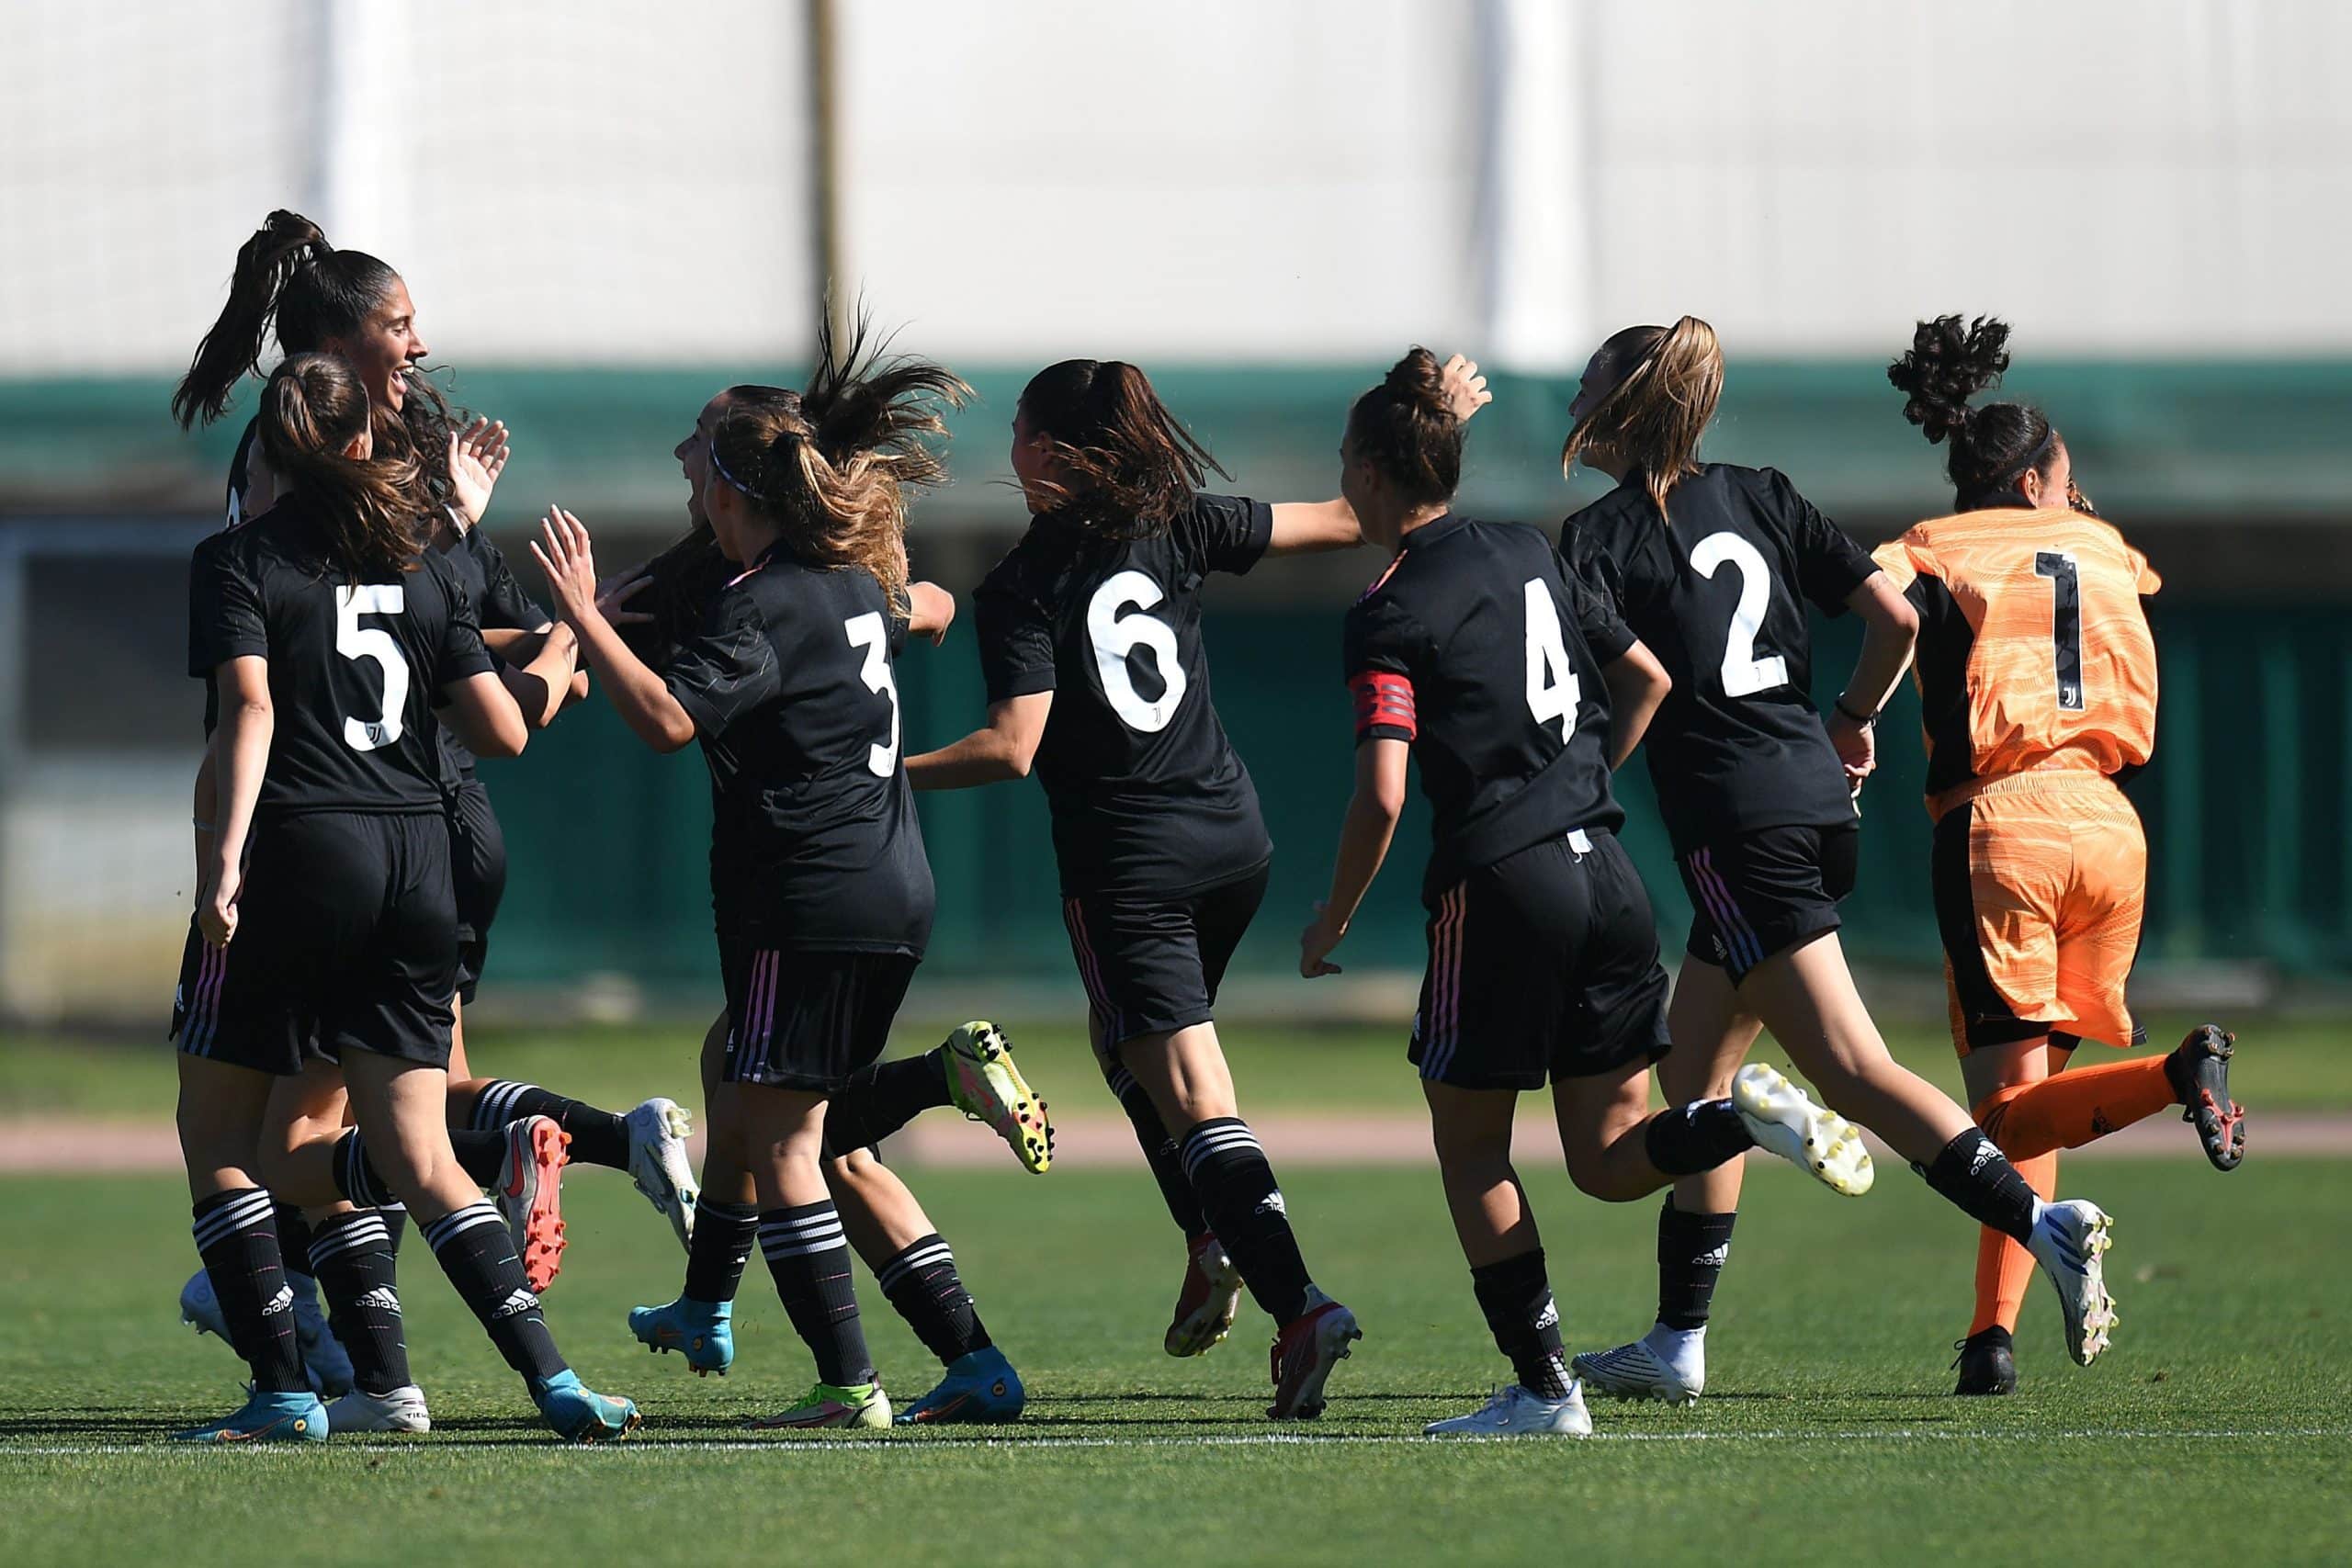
point(325, 898)
point(1090, 646)
point(1712, 565)
point(820, 887)
point(1517, 693)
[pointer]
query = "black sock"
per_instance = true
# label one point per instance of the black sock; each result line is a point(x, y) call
point(475, 1252)
point(1517, 1299)
point(1239, 1198)
point(881, 1099)
point(1691, 1253)
point(293, 1242)
point(921, 1282)
point(481, 1156)
point(352, 1255)
point(810, 1259)
point(1695, 1137)
point(1159, 1152)
point(237, 1237)
point(1977, 1178)
point(599, 1137)
point(723, 1237)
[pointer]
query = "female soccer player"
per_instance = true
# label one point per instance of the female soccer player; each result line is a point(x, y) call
point(1711, 566)
point(332, 639)
point(821, 890)
point(2036, 678)
point(1090, 644)
point(1517, 693)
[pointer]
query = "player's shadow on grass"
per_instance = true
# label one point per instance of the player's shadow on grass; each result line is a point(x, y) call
point(87, 1423)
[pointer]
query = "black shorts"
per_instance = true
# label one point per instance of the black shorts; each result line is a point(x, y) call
point(1543, 965)
point(477, 876)
point(1766, 891)
point(806, 1020)
point(1153, 965)
point(346, 940)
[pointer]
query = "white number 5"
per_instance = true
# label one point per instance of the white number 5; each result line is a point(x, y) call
point(1553, 690)
point(867, 632)
point(356, 642)
point(1744, 674)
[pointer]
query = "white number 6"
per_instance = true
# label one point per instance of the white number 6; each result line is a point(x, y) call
point(1115, 636)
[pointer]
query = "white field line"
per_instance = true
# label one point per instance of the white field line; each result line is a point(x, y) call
point(811, 1447)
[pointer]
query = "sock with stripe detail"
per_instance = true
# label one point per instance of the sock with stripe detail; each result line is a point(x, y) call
point(881, 1099)
point(1516, 1297)
point(474, 1249)
point(724, 1234)
point(481, 1156)
point(921, 1282)
point(352, 1255)
point(1244, 1207)
point(395, 1227)
point(809, 1258)
point(1692, 1252)
point(599, 1137)
point(1159, 1151)
point(236, 1236)
point(1699, 1136)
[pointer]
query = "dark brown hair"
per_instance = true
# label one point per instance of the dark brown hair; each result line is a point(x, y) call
point(1651, 420)
point(832, 465)
point(1992, 448)
point(683, 579)
point(1131, 468)
point(312, 408)
point(1406, 428)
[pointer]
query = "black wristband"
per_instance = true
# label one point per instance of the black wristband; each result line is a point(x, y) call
point(1858, 718)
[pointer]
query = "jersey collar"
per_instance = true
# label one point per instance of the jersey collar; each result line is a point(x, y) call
point(1431, 532)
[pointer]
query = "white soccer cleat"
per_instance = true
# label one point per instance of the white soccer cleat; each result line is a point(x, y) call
point(1516, 1411)
point(200, 1309)
point(324, 1357)
point(1784, 1121)
point(657, 1162)
point(402, 1410)
point(1636, 1371)
point(2070, 1242)
point(1207, 1301)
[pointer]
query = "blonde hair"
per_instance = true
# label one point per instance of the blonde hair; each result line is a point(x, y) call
point(1652, 420)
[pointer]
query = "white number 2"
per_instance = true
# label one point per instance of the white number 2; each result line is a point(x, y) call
point(867, 632)
point(356, 642)
point(1744, 674)
point(1116, 636)
point(1553, 690)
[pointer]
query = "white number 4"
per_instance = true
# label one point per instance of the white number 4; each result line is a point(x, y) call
point(867, 632)
point(356, 642)
point(1553, 690)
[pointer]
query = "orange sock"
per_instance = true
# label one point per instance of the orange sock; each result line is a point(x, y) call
point(2072, 1107)
point(2004, 1269)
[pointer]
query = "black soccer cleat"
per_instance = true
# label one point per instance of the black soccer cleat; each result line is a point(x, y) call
point(1986, 1363)
point(2199, 1074)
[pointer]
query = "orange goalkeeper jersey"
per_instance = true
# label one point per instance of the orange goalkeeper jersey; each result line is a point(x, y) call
point(2034, 650)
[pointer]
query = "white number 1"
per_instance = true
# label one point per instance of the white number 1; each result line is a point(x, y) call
point(867, 632)
point(1553, 690)
point(356, 642)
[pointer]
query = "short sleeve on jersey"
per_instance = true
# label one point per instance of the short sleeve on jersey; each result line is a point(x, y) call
point(1604, 630)
point(1227, 533)
point(2150, 583)
point(727, 670)
point(225, 617)
point(1830, 566)
point(463, 657)
point(1017, 638)
point(1377, 649)
point(505, 605)
point(1906, 559)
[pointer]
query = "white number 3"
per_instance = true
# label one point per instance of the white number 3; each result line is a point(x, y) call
point(1553, 690)
point(867, 632)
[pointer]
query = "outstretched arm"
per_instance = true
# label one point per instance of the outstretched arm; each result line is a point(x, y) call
point(1305, 527)
point(641, 697)
point(1364, 836)
point(1002, 748)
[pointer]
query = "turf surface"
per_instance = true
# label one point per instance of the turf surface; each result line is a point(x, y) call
point(2219, 1425)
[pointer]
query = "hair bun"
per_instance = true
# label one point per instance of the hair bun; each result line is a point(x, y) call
point(1418, 379)
point(1947, 365)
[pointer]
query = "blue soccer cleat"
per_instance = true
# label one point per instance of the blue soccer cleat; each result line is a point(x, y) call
point(699, 1330)
point(265, 1418)
point(580, 1413)
point(980, 1388)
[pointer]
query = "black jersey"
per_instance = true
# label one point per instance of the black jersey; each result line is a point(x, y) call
point(814, 839)
point(354, 669)
point(1146, 793)
point(1719, 597)
point(1480, 649)
point(499, 603)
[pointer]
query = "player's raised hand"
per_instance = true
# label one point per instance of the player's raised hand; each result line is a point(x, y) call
point(1465, 390)
point(1315, 942)
point(611, 596)
point(568, 561)
point(215, 911)
point(477, 457)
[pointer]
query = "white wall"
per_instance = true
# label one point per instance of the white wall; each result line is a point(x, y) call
point(610, 181)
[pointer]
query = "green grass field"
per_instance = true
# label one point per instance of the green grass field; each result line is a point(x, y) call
point(2219, 1425)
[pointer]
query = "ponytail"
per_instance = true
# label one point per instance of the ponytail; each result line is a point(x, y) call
point(1406, 429)
point(312, 408)
point(1993, 447)
point(1652, 417)
point(281, 248)
point(1129, 469)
